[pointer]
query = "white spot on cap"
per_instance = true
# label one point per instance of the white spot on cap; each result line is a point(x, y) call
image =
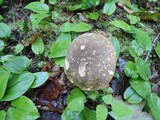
point(110, 72)
point(82, 69)
point(66, 64)
point(82, 47)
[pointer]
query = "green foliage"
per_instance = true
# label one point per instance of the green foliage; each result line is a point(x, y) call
point(143, 69)
point(52, 2)
point(5, 30)
point(86, 4)
point(130, 70)
point(131, 96)
point(22, 108)
point(109, 7)
point(93, 15)
point(3, 81)
point(143, 88)
point(133, 19)
point(17, 85)
point(15, 64)
point(79, 27)
point(40, 78)
point(38, 46)
point(108, 99)
point(18, 48)
point(154, 104)
point(101, 112)
point(157, 49)
point(2, 115)
point(1, 45)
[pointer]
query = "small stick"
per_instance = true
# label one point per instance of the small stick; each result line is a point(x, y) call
point(125, 8)
point(154, 44)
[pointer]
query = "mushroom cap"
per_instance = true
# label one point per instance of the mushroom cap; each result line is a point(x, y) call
point(90, 61)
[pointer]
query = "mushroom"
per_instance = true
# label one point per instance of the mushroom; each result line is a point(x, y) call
point(90, 61)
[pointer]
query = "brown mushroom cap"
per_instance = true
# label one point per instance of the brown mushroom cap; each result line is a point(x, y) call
point(90, 61)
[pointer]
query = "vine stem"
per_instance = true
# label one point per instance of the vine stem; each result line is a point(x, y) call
point(154, 44)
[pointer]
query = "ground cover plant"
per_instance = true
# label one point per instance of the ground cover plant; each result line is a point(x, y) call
point(34, 39)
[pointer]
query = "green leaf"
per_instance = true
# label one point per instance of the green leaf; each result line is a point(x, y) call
point(74, 7)
point(154, 105)
point(3, 81)
point(36, 19)
point(134, 49)
point(108, 99)
point(142, 38)
point(93, 15)
point(22, 109)
point(38, 46)
point(76, 93)
point(5, 30)
point(1, 45)
point(116, 45)
point(76, 105)
point(79, 27)
point(40, 78)
point(101, 112)
point(60, 61)
point(88, 114)
point(18, 48)
point(16, 64)
point(143, 88)
point(109, 7)
point(86, 4)
point(52, 2)
point(59, 49)
point(130, 70)
point(120, 109)
point(131, 96)
point(121, 24)
point(157, 49)
point(143, 69)
point(2, 115)
point(18, 85)
point(38, 7)
point(133, 19)
point(64, 36)
point(92, 94)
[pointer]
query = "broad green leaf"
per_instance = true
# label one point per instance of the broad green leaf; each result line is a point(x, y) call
point(18, 85)
point(64, 36)
point(52, 2)
point(60, 61)
point(93, 15)
point(108, 99)
point(36, 19)
point(86, 4)
point(76, 105)
point(3, 81)
point(116, 45)
point(2, 115)
point(92, 94)
point(40, 78)
point(154, 105)
point(142, 38)
point(1, 1)
point(120, 109)
point(79, 27)
point(143, 69)
point(76, 93)
point(130, 70)
point(143, 88)
point(16, 64)
point(71, 115)
point(38, 46)
point(134, 49)
point(109, 7)
point(5, 30)
point(121, 24)
point(22, 109)
point(1, 45)
point(133, 19)
point(59, 49)
point(18, 48)
point(38, 7)
point(131, 96)
point(101, 112)
point(74, 7)
point(157, 49)
point(88, 114)
point(55, 15)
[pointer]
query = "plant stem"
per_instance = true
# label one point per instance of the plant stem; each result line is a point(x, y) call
point(154, 44)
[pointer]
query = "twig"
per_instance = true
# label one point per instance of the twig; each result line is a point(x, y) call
point(154, 44)
point(125, 8)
